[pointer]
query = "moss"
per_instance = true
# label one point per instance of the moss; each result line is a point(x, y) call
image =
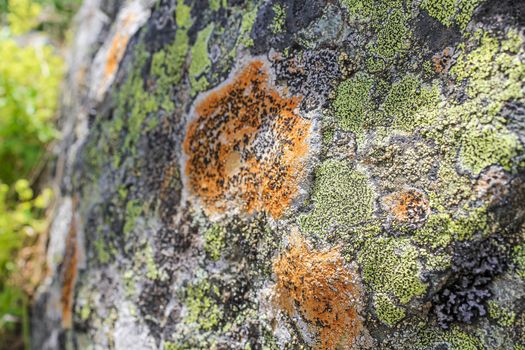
point(214, 241)
point(279, 18)
point(518, 258)
point(450, 12)
point(504, 316)
point(341, 197)
point(354, 102)
point(200, 61)
point(405, 99)
point(386, 310)
point(481, 148)
point(391, 266)
point(201, 307)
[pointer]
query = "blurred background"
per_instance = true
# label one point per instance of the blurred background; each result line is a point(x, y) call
point(33, 38)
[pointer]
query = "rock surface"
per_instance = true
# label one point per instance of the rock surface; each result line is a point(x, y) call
point(343, 174)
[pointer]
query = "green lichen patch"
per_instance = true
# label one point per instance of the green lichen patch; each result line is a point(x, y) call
point(200, 60)
point(353, 103)
point(386, 310)
point(503, 315)
point(214, 241)
point(341, 197)
point(406, 98)
point(391, 266)
point(450, 12)
point(279, 18)
point(518, 258)
point(202, 308)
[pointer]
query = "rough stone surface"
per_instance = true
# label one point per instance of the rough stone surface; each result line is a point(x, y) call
point(285, 174)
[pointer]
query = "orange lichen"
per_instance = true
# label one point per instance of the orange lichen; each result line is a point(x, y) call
point(69, 275)
point(246, 146)
point(408, 206)
point(442, 61)
point(318, 286)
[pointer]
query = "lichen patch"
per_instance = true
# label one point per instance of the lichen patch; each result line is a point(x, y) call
point(246, 146)
point(318, 286)
point(408, 206)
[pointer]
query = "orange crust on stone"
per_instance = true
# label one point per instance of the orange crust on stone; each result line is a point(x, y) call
point(246, 146)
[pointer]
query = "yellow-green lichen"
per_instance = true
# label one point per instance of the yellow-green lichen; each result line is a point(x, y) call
point(406, 98)
point(450, 12)
point(201, 307)
point(214, 241)
point(391, 266)
point(279, 18)
point(341, 197)
point(518, 258)
point(504, 316)
point(248, 19)
point(353, 103)
point(133, 211)
point(386, 310)
point(200, 60)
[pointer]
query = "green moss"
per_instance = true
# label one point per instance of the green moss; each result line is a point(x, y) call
point(391, 266)
point(405, 99)
point(279, 18)
point(200, 61)
point(386, 310)
point(214, 241)
point(450, 12)
point(341, 197)
point(201, 306)
point(483, 147)
point(504, 316)
point(354, 102)
point(518, 258)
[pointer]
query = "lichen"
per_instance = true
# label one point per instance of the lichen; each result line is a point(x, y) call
point(450, 12)
point(391, 266)
point(341, 197)
point(200, 60)
point(279, 18)
point(246, 159)
point(201, 307)
point(518, 257)
point(322, 289)
point(504, 316)
point(386, 310)
point(214, 241)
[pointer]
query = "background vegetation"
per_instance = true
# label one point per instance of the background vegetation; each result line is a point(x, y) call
point(31, 68)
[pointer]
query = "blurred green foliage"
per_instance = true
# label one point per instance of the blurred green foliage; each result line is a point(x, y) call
point(31, 72)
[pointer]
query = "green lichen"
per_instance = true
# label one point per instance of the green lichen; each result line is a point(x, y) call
point(353, 103)
point(450, 12)
point(183, 15)
point(391, 266)
point(386, 310)
point(504, 316)
point(201, 307)
point(341, 197)
point(405, 99)
point(486, 146)
point(152, 271)
point(392, 35)
point(102, 251)
point(436, 232)
point(518, 258)
point(248, 19)
point(214, 241)
point(200, 61)
point(133, 212)
point(279, 18)
point(215, 5)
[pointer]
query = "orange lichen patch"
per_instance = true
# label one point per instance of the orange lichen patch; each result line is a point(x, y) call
point(322, 290)
point(408, 206)
point(69, 275)
point(246, 146)
point(442, 61)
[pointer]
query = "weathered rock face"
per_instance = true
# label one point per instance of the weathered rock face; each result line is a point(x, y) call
point(291, 174)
